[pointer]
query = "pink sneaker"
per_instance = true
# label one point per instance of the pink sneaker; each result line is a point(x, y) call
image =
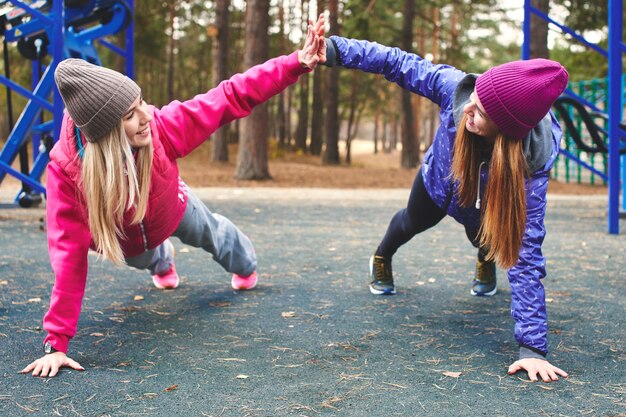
point(244, 283)
point(167, 280)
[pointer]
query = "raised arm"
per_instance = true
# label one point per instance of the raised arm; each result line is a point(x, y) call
point(410, 71)
point(183, 126)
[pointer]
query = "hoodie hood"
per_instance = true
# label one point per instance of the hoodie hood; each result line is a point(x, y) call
point(537, 144)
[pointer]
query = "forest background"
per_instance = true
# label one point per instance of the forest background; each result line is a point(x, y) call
point(183, 48)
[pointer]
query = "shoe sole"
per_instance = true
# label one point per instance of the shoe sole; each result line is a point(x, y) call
point(161, 287)
point(485, 294)
point(379, 292)
point(374, 290)
point(242, 288)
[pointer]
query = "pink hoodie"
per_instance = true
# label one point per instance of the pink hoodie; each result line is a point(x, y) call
point(177, 129)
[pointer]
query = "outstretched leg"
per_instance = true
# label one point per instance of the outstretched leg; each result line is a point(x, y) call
point(421, 213)
point(217, 235)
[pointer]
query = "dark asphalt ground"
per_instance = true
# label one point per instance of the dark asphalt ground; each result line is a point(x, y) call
point(311, 340)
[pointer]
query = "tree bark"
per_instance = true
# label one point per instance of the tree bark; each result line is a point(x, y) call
point(303, 113)
point(282, 125)
point(352, 118)
point(252, 156)
point(376, 123)
point(171, 11)
point(317, 117)
point(539, 30)
point(410, 157)
point(220, 72)
point(331, 154)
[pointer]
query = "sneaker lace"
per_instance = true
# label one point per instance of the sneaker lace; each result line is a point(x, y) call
point(382, 270)
point(483, 271)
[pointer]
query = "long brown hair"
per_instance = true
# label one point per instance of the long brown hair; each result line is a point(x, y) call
point(113, 184)
point(503, 214)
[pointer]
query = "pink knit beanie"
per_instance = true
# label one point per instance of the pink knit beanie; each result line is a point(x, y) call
point(518, 94)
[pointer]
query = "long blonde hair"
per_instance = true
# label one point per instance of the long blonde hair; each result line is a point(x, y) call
point(503, 214)
point(112, 184)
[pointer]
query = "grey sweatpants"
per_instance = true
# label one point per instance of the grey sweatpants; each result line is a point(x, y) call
point(202, 229)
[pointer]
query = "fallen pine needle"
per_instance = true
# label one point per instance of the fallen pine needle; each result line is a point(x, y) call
point(395, 385)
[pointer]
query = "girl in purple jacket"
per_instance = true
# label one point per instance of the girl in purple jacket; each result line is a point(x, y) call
point(487, 168)
point(113, 184)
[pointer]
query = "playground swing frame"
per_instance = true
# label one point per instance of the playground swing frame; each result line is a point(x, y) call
point(616, 48)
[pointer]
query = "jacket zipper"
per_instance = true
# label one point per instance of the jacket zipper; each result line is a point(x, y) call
point(143, 236)
point(478, 193)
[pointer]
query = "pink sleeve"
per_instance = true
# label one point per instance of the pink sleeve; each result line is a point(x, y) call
point(184, 126)
point(68, 245)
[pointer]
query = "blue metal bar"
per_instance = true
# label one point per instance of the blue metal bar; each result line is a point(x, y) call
point(615, 109)
point(36, 186)
point(43, 127)
point(582, 163)
point(569, 31)
point(42, 102)
point(35, 77)
point(526, 26)
point(112, 47)
point(582, 100)
point(117, 22)
point(20, 132)
point(130, 44)
point(39, 166)
point(23, 30)
point(57, 56)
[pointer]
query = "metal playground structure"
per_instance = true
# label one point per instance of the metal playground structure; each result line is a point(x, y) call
point(46, 32)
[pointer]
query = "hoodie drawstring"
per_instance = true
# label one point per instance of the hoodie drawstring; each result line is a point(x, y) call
point(478, 193)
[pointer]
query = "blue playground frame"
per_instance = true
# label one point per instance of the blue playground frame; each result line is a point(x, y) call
point(61, 26)
point(616, 92)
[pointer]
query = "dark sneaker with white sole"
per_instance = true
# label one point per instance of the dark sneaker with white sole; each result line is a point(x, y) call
point(484, 283)
point(381, 276)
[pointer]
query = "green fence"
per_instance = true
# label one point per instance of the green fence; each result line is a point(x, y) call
point(565, 169)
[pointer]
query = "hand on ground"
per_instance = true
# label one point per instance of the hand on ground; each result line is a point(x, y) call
point(49, 365)
point(533, 366)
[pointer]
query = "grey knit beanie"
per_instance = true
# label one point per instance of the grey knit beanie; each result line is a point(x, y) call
point(95, 97)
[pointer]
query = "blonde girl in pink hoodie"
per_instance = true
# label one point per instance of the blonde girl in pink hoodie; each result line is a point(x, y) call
point(113, 184)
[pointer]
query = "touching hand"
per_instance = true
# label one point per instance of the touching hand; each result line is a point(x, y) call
point(49, 365)
point(314, 49)
point(535, 366)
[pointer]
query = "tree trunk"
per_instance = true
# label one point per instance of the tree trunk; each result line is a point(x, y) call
point(171, 10)
point(282, 133)
point(351, 118)
point(289, 92)
point(393, 142)
point(317, 117)
point(252, 156)
point(384, 140)
point(331, 154)
point(220, 72)
point(303, 114)
point(539, 31)
point(376, 123)
point(409, 156)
